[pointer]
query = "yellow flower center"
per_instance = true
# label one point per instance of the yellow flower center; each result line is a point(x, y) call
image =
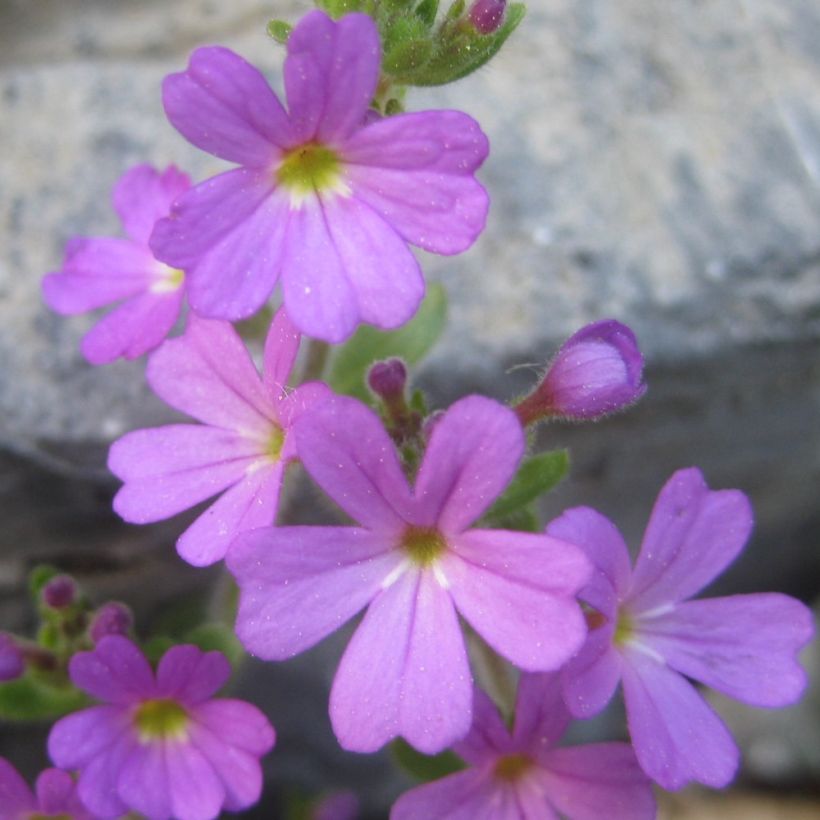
point(276, 441)
point(423, 544)
point(169, 279)
point(309, 169)
point(624, 629)
point(511, 767)
point(161, 719)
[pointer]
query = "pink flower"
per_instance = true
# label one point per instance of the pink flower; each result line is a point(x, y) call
point(597, 371)
point(324, 197)
point(241, 449)
point(101, 271)
point(55, 796)
point(415, 564)
point(521, 775)
point(160, 744)
point(647, 635)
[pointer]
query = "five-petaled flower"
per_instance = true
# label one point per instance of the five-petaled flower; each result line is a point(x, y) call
point(100, 271)
point(521, 775)
point(54, 795)
point(243, 445)
point(647, 635)
point(160, 744)
point(414, 562)
point(326, 197)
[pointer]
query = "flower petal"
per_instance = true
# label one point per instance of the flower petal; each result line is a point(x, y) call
point(319, 297)
point(97, 272)
point(384, 274)
point(404, 672)
point(235, 723)
point(600, 540)
point(598, 780)
point(299, 584)
point(97, 786)
point(417, 172)
point(516, 589)
point(146, 764)
point(209, 374)
point(15, 795)
point(75, 740)
point(347, 452)
point(281, 347)
point(331, 73)
point(136, 327)
point(252, 502)
point(144, 195)
point(473, 453)
point(196, 791)
point(223, 105)
point(676, 735)
point(116, 671)
point(470, 795)
point(169, 469)
point(189, 675)
point(488, 736)
point(744, 645)
point(56, 793)
point(592, 675)
point(540, 715)
point(694, 533)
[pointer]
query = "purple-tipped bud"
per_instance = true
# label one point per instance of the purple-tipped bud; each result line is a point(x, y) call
point(110, 619)
point(596, 371)
point(487, 15)
point(388, 379)
point(12, 664)
point(60, 592)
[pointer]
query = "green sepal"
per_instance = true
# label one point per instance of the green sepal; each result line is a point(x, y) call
point(536, 476)
point(456, 10)
point(411, 342)
point(215, 636)
point(338, 8)
point(393, 107)
point(38, 578)
point(427, 10)
point(49, 636)
point(461, 51)
point(280, 31)
point(407, 56)
point(425, 767)
point(31, 698)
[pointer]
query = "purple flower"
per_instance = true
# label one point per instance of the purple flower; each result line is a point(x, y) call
point(520, 775)
point(415, 564)
point(487, 15)
point(12, 662)
point(101, 271)
point(647, 635)
point(55, 796)
point(112, 618)
point(324, 196)
point(160, 744)
point(595, 372)
point(242, 447)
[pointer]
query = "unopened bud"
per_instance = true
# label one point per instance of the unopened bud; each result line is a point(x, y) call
point(12, 664)
point(487, 15)
point(110, 619)
point(597, 371)
point(388, 379)
point(60, 592)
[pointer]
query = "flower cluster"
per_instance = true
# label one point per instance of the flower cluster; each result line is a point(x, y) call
point(443, 551)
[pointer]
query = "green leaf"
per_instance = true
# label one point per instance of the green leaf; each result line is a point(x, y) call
point(427, 11)
point(536, 476)
point(38, 578)
point(216, 636)
point(462, 51)
point(411, 342)
point(338, 8)
point(524, 519)
point(425, 767)
point(28, 698)
point(257, 326)
point(280, 31)
point(157, 646)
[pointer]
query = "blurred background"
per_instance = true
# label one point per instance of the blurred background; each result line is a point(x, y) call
point(658, 163)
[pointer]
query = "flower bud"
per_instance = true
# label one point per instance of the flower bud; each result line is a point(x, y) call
point(388, 380)
point(595, 372)
point(12, 664)
point(487, 15)
point(60, 592)
point(112, 618)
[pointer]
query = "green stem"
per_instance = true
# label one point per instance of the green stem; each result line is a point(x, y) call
point(316, 361)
